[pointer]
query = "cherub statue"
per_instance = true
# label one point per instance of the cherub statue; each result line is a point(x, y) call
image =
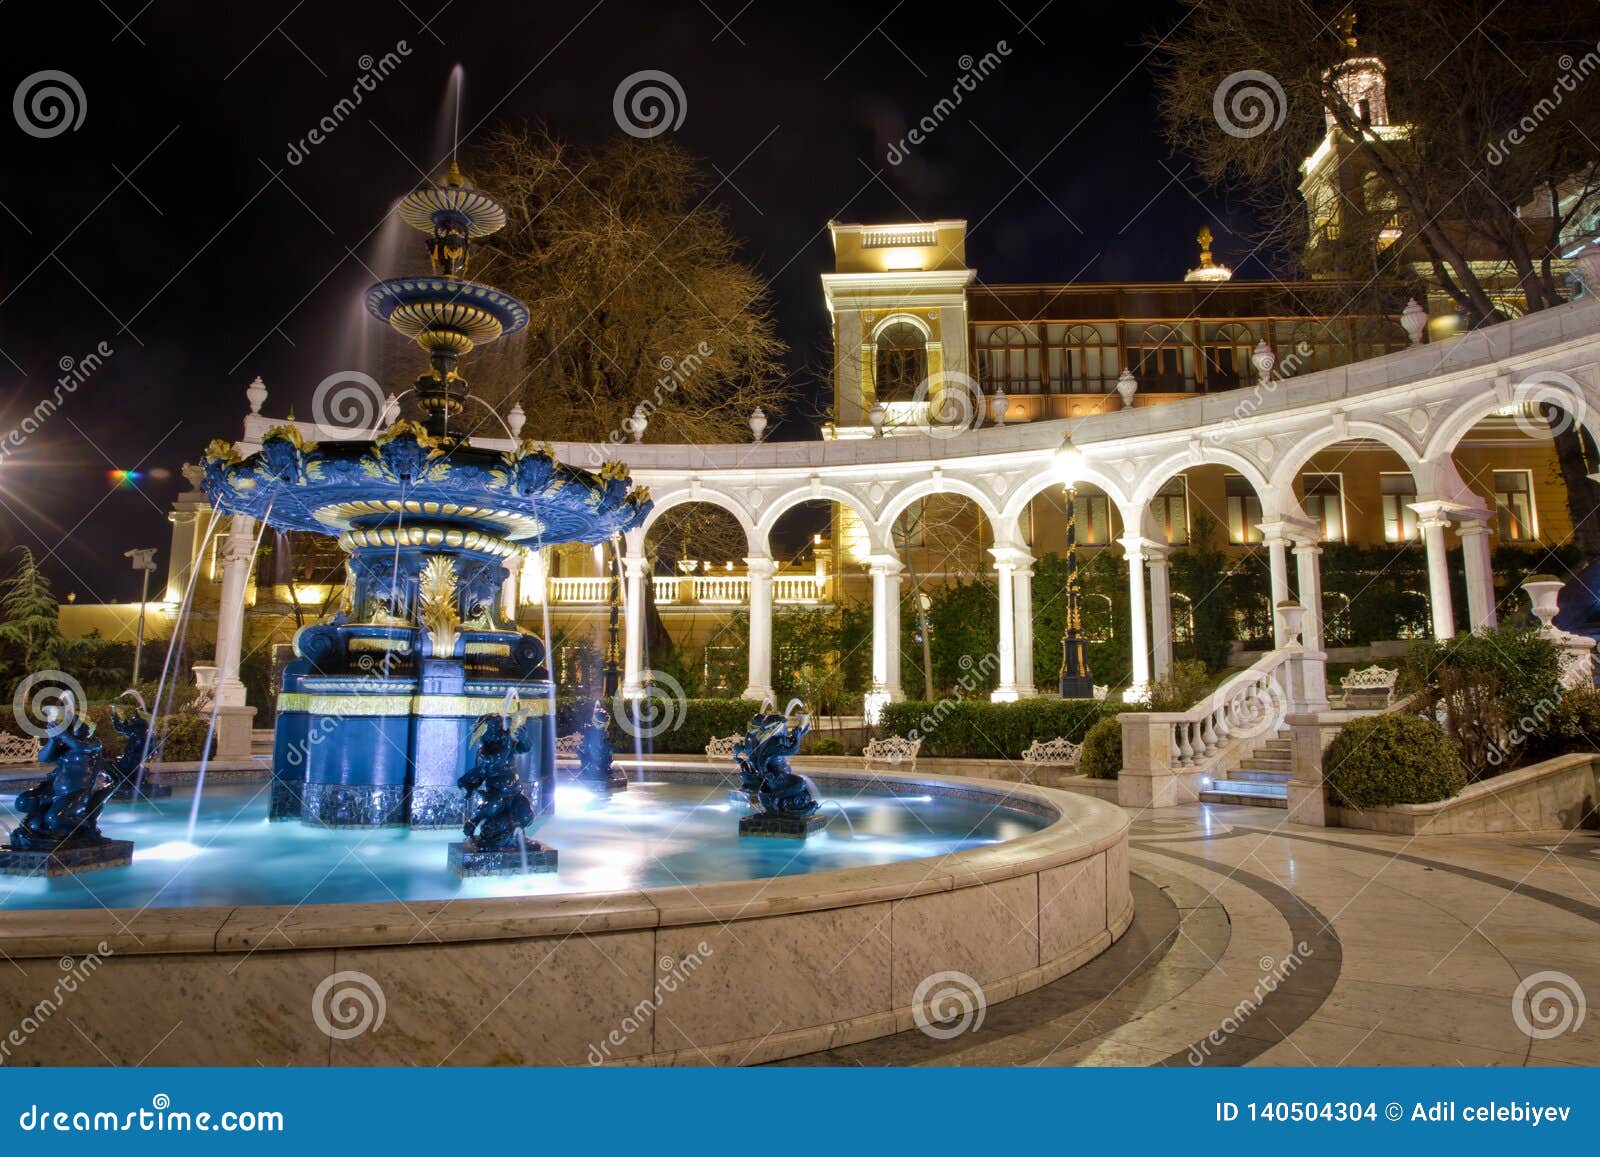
point(769, 744)
point(496, 806)
point(131, 720)
point(595, 767)
point(63, 809)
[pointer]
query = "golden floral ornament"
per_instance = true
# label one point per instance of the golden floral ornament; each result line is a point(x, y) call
point(614, 471)
point(436, 603)
point(291, 434)
point(222, 452)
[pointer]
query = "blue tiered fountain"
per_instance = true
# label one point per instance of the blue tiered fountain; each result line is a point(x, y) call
point(376, 711)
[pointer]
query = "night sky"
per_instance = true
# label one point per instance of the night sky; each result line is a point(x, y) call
point(171, 226)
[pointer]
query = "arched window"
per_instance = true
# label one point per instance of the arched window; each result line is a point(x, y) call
point(1099, 623)
point(1228, 349)
point(902, 364)
point(1156, 357)
point(1083, 359)
point(1009, 360)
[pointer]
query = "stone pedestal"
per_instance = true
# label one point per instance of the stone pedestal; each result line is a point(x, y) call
point(782, 827)
point(1310, 734)
point(234, 725)
point(68, 861)
point(466, 860)
point(1148, 777)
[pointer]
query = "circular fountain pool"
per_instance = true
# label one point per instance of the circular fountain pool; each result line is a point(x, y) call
point(657, 834)
point(664, 938)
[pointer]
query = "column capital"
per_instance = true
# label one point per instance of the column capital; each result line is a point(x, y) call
point(1306, 546)
point(1012, 557)
point(1156, 553)
point(1287, 528)
point(633, 565)
point(760, 566)
point(885, 564)
point(1473, 522)
point(1137, 546)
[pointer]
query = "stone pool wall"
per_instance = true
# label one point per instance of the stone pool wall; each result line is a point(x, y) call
point(724, 973)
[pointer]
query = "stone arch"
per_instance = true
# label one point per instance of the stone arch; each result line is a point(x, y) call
point(807, 491)
point(1157, 474)
point(1005, 533)
point(1044, 479)
point(712, 497)
point(900, 317)
point(1295, 460)
point(1575, 395)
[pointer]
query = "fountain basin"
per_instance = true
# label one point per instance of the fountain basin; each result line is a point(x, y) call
point(710, 971)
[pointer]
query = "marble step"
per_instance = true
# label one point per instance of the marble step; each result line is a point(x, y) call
point(1249, 794)
point(1258, 775)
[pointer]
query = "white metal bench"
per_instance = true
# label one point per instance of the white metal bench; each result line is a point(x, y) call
point(1053, 751)
point(569, 745)
point(1370, 686)
point(18, 749)
point(721, 746)
point(893, 750)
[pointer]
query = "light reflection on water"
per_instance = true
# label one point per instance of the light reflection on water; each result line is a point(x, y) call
point(652, 835)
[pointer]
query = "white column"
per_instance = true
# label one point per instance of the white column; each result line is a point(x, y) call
point(237, 556)
point(1160, 611)
point(1022, 612)
point(885, 570)
point(1138, 635)
point(1278, 582)
point(1444, 618)
point(1307, 557)
point(180, 555)
point(1474, 537)
point(508, 589)
point(1005, 567)
point(634, 572)
point(760, 569)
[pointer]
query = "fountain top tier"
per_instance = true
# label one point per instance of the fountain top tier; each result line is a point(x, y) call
point(446, 314)
point(407, 488)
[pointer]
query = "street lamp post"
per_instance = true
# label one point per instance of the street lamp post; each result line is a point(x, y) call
point(612, 676)
point(144, 560)
point(1076, 682)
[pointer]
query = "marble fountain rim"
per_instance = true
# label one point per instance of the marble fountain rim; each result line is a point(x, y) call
point(1081, 827)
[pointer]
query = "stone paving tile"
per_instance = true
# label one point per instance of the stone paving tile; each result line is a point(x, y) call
point(1426, 941)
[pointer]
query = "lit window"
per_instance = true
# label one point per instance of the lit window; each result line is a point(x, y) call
point(1244, 510)
point(1093, 515)
point(902, 363)
point(1171, 509)
point(1513, 501)
point(1325, 505)
point(1399, 520)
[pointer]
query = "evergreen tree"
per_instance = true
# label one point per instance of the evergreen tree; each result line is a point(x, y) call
point(30, 628)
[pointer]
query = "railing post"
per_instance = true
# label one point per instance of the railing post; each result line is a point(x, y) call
point(1152, 773)
point(1310, 734)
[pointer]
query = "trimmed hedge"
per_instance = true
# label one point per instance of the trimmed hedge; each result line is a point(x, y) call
point(1393, 758)
point(1102, 750)
point(977, 729)
point(687, 725)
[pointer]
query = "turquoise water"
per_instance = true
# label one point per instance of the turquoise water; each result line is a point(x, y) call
point(652, 835)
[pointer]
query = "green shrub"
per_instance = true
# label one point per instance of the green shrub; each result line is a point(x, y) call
point(978, 729)
point(687, 725)
point(181, 737)
point(1572, 725)
point(1487, 682)
point(1187, 683)
point(1389, 759)
point(827, 745)
point(1102, 750)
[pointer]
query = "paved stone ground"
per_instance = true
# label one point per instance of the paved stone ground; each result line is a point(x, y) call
point(1258, 942)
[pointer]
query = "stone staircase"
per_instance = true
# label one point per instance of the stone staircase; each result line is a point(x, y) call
point(1261, 779)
